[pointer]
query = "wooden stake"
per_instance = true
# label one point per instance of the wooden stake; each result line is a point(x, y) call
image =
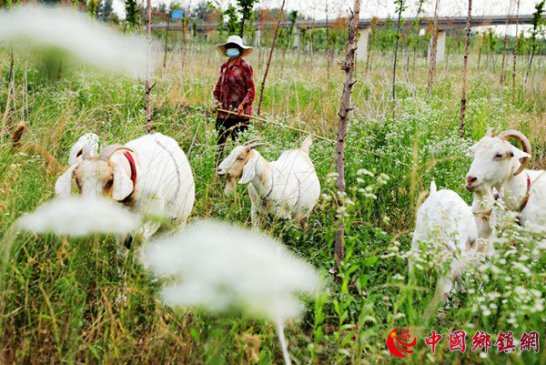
point(348, 67)
point(272, 122)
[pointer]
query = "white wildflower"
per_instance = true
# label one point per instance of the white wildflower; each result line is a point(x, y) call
point(91, 41)
point(218, 266)
point(78, 216)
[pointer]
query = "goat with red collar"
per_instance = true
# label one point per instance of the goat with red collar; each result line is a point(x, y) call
point(499, 164)
point(150, 174)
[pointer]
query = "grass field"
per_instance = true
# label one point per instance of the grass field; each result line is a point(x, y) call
point(66, 301)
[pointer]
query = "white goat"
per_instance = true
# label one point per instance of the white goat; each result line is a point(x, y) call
point(150, 174)
point(444, 217)
point(287, 188)
point(498, 164)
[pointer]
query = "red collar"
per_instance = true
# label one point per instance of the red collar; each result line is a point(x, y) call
point(131, 160)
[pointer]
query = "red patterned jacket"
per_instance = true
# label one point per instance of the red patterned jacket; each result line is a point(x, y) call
point(235, 86)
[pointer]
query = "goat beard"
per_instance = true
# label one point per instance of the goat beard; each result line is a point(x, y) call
point(230, 187)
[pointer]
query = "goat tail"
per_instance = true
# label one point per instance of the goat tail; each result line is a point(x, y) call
point(433, 188)
point(306, 144)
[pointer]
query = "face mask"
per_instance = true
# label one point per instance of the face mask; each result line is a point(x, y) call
point(233, 52)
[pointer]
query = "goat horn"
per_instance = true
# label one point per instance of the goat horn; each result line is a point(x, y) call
point(109, 150)
point(525, 144)
point(257, 144)
point(490, 132)
point(247, 143)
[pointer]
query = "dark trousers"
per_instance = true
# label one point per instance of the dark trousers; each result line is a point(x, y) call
point(230, 127)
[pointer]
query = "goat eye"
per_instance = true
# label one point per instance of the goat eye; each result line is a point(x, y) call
point(498, 156)
point(109, 184)
point(240, 158)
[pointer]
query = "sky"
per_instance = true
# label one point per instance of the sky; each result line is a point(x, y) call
point(373, 8)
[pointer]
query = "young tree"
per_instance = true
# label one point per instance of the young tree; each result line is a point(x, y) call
point(93, 8)
point(289, 34)
point(536, 23)
point(231, 13)
point(416, 26)
point(400, 7)
point(348, 66)
point(515, 52)
point(105, 10)
point(433, 48)
point(505, 42)
point(131, 11)
point(275, 35)
point(371, 44)
point(246, 8)
point(203, 10)
point(148, 86)
point(327, 44)
point(465, 69)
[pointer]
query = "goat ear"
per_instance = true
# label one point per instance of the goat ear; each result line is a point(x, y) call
point(519, 154)
point(472, 150)
point(123, 185)
point(63, 185)
point(249, 170)
point(87, 146)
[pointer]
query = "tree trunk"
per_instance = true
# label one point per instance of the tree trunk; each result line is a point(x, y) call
point(398, 30)
point(433, 49)
point(277, 26)
point(480, 52)
point(529, 65)
point(465, 69)
point(515, 52)
point(418, 38)
point(370, 46)
point(503, 63)
point(345, 108)
point(166, 43)
point(242, 30)
point(328, 59)
point(148, 86)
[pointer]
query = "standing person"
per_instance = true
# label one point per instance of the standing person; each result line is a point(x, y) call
point(234, 90)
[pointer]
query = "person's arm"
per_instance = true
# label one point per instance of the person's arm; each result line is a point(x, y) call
point(250, 91)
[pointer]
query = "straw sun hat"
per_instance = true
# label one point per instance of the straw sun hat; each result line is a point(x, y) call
point(234, 40)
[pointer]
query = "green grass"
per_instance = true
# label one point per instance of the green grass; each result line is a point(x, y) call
point(66, 301)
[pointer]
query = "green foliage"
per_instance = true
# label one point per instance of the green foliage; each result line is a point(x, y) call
point(537, 22)
point(131, 13)
point(246, 8)
point(232, 19)
point(203, 10)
